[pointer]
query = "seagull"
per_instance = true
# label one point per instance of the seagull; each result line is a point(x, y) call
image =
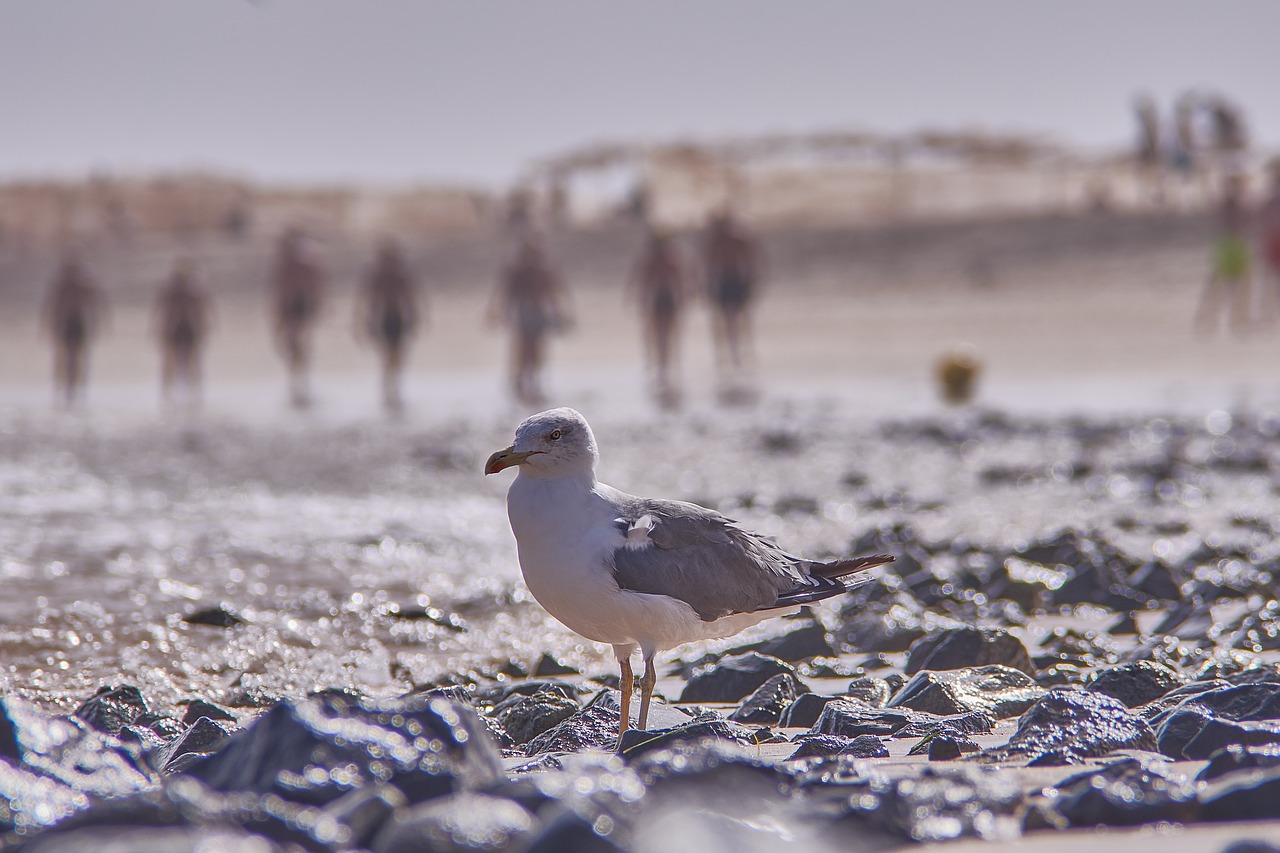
point(642, 573)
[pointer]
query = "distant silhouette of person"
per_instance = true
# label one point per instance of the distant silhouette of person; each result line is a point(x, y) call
point(1229, 281)
point(389, 312)
point(661, 285)
point(298, 285)
point(73, 312)
point(530, 300)
point(1149, 154)
point(732, 265)
point(1269, 222)
point(182, 321)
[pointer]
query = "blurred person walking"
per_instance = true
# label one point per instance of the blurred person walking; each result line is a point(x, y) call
point(1230, 279)
point(1149, 153)
point(388, 312)
point(298, 283)
point(73, 313)
point(181, 321)
point(530, 301)
point(660, 284)
point(1269, 222)
point(732, 266)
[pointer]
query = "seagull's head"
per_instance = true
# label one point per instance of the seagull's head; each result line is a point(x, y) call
point(554, 443)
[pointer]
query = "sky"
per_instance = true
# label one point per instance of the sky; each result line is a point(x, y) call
point(470, 91)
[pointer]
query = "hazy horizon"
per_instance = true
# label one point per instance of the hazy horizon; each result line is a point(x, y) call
point(398, 91)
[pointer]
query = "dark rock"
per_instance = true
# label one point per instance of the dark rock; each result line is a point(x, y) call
point(1255, 673)
point(1067, 726)
point(694, 765)
point(1190, 619)
point(500, 693)
point(866, 746)
point(113, 708)
point(766, 705)
point(1259, 631)
point(1219, 733)
point(927, 725)
point(997, 690)
point(805, 642)
point(189, 809)
point(425, 747)
point(941, 804)
point(1126, 624)
point(804, 712)
point(596, 725)
point(55, 766)
point(204, 736)
point(143, 736)
point(198, 708)
point(958, 648)
point(871, 690)
point(889, 625)
point(820, 746)
point(1179, 728)
point(570, 831)
point(167, 728)
point(732, 678)
point(8, 735)
point(1159, 580)
point(1157, 710)
point(637, 742)
point(1248, 795)
point(1234, 758)
point(413, 613)
point(525, 717)
point(1094, 572)
point(849, 718)
point(547, 665)
point(148, 839)
point(365, 811)
point(511, 668)
point(949, 747)
point(458, 822)
point(829, 746)
point(1136, 684)
point(1258, 701)
point(1085, 648)
point(829, 668)
point(220, 616)
point(1251, 845)
point(1124, 793)
point(1204, 722)
point(1061, 674)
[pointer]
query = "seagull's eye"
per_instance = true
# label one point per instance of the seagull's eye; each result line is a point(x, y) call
point(555, 435)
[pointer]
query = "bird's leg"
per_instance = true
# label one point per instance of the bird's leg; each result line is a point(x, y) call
point(627, 684)
point(647, 681)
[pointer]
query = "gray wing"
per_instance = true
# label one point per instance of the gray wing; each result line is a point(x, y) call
point(702, 558)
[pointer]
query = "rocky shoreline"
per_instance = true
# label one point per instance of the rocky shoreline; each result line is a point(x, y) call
point(968, 732)
point(988, 687)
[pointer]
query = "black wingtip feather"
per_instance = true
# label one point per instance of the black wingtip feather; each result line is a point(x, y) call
point(832, 580)
point(837, 569)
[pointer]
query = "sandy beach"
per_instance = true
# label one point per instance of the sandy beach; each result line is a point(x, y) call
point(1086, 314)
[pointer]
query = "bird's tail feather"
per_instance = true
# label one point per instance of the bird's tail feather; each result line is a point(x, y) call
point(832, 579)
point(837, 569)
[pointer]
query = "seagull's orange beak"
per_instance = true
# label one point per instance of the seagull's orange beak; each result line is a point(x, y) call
point(507, 457)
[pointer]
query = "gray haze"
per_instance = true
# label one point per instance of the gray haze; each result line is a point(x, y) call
point(470, 91)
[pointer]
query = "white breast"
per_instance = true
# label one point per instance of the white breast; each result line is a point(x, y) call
point(566, 534)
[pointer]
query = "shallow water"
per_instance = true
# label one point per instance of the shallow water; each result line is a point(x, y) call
point(324, 538)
